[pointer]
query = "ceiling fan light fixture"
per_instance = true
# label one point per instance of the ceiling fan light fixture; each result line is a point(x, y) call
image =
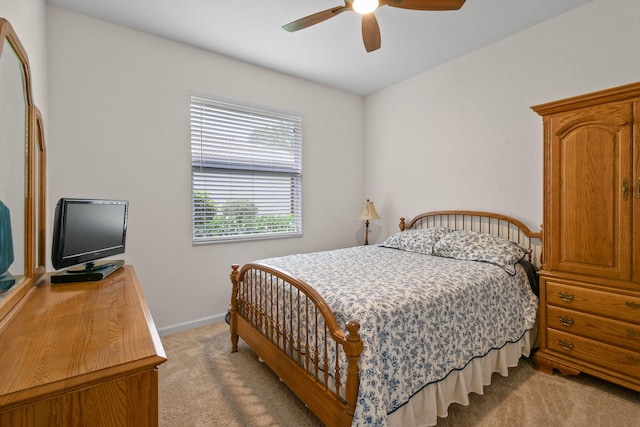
point(365, 6)
point(370, 27)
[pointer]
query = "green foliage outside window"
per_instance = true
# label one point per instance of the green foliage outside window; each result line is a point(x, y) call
point(235, 217)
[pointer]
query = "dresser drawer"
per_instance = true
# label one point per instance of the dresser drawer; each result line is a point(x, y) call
point(614, 332)
point(594, 352)
point(609, 304)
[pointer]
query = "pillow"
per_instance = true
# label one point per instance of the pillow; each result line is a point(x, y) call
point(474, 246)
point(420, 241)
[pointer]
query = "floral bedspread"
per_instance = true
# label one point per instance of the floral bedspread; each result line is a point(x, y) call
point(421, 316)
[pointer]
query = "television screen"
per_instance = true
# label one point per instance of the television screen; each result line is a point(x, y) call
point(86, 230)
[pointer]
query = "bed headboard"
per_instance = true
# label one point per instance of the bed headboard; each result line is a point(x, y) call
point(483, 222)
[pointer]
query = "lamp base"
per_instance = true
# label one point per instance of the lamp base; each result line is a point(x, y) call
point(6, 281)
point(366, 232)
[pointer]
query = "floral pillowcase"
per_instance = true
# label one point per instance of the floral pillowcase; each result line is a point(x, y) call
point(421, 241)
point(474, 246)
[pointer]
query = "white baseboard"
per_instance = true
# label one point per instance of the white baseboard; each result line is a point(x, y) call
point(181, 327)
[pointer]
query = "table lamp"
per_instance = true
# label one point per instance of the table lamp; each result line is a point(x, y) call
point(367, 213)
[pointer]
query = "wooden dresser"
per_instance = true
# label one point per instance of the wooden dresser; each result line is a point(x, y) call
point(80, 354)
point(590, 277)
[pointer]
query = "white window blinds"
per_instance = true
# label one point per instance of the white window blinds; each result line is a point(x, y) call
point(246, 169)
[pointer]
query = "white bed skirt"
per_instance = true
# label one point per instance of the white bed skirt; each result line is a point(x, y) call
point(424, 408)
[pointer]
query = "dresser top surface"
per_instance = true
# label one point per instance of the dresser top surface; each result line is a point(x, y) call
point(70, 334)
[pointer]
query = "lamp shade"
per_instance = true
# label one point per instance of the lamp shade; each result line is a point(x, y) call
point(368, 211)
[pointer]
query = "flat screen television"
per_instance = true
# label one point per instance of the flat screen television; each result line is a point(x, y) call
point(84, 231)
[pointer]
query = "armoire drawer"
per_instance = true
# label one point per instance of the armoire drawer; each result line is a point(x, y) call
point(609, 304)
point(594, 352)
point(623, 334)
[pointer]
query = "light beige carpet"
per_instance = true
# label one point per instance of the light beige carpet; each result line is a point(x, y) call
point(204, 384)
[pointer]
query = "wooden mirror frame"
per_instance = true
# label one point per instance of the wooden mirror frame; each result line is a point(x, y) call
point(35, 180)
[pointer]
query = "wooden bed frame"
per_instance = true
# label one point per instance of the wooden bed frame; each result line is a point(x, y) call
point(306, 352)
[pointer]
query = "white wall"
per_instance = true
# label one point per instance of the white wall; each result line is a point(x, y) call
point(463, 136)
point(459, 136)
point(119, 128)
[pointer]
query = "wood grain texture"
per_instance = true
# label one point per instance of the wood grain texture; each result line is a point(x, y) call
point(33, 234)
point(590, 278)
point(80, 352)
point(261, 322)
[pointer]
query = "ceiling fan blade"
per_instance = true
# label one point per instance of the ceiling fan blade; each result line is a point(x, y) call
point(425, 4)
point(314, 19)
point(370, 32)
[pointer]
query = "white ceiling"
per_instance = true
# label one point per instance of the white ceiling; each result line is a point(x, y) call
point(331, 52)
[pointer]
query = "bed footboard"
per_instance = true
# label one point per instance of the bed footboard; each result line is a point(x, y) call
point(291, 328)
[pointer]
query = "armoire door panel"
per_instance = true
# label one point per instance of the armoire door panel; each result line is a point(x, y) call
point(591, 216)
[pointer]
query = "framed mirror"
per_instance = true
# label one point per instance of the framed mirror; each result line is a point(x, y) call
point(39, 196)
point(22, 175)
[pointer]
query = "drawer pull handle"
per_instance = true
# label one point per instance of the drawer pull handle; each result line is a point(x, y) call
point(566, 296)
point(566, 345)
point(632, 305)
point(633, 360)
point(566, 321)
point(633, 333)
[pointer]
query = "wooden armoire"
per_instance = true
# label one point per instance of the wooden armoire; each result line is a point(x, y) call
point(589, 312)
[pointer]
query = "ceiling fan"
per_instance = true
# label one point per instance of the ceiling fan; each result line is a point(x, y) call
point(370, 28)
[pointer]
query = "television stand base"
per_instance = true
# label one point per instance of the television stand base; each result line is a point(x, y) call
point(97, 271)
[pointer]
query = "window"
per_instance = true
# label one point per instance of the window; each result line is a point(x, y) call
point(246, 172)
